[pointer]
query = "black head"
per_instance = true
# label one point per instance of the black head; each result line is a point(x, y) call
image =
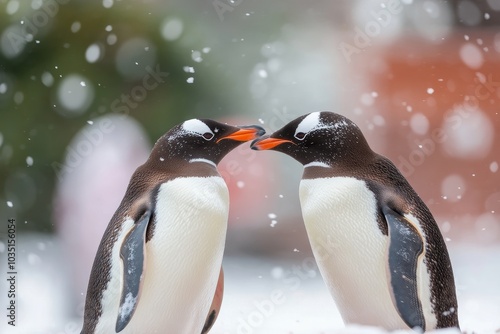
point(321, 138)
point(202, 140)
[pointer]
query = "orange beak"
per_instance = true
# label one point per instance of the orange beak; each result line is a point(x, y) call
point(269, 143)
point(245, 133)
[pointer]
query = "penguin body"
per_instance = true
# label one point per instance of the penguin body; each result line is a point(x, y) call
point(159, 262)
point(376, 243)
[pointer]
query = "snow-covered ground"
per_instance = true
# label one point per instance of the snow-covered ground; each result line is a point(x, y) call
point(262, 295)
point(271, 296)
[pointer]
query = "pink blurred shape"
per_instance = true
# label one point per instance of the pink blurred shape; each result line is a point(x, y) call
point(98, 165)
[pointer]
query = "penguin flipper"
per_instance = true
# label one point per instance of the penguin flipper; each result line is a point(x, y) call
point(216, 303)
point(132, 253)
point(405, 247)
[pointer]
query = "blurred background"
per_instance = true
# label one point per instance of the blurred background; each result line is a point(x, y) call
point(86, 88)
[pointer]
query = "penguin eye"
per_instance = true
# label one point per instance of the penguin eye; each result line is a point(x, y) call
point(300, 135)
point(208, 135)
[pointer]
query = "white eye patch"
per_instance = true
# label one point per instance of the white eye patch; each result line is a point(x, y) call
point(198, 127)
point(308, 124)
point(313, 122)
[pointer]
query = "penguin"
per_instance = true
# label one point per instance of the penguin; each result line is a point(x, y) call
point(158, 266)
point(377, 245)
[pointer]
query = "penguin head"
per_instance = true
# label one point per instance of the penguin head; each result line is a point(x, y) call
point(324, 137)
point(203, 139)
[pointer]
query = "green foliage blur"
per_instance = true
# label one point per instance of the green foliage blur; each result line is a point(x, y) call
point(34, 124)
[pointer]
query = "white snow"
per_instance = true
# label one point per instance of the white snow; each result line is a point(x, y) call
point(430, 91)
point(12, 7)
point(471, 55)
point(128, 306)
point(36, 4)
point(171, 28)
point(76, 26)
point(190, 80)
point(9, 204)
point(272, 216)
point(93, 53)
point(34, 259)
point(277, 272)
point(196, 56)
point(494, 167)
point(379, 120)
point(3, 88)
point(487, 227)
point(74, 96)
point(419, 123)
point(271, 295)
point(111, 39)
point(274, 65)
point(47, 79)
point(453, 187)
point(306, 307)
point(433, 20)
point(132, 51)
point(18, 97)
point(367, 99)
point(29, 161)
point(459, 126)
point(240, 184)
point(107, 3)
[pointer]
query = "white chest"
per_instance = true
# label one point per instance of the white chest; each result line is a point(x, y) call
point(340, 218)
point(183, 260)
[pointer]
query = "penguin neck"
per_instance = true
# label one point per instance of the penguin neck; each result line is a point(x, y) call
point(316, 172)
point(345, 166)
point(184, 168)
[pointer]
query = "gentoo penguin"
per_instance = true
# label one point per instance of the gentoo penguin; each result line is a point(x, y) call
point(376, 243)
point(158, 266)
